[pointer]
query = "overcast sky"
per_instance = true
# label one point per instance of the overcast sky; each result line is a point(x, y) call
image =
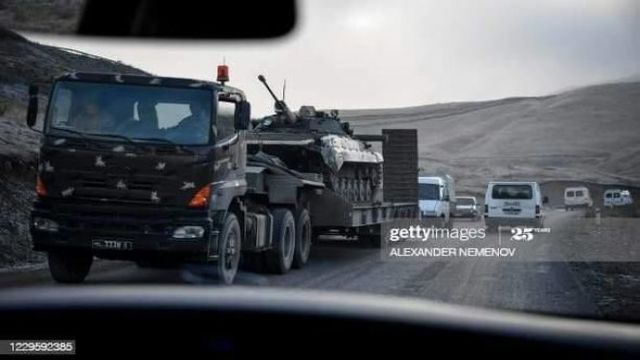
point(380, 53)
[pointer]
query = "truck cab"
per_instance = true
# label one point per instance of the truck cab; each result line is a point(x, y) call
point(137, 168)
point(437, 198)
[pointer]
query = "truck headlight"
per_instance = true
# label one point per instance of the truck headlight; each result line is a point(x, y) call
point(188, 232)
point(44, 224)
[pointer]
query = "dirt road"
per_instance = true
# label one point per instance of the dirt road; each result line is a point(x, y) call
point(561, 287)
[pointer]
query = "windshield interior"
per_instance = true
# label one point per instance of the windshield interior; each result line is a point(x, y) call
point(180, 115)
point(530, 106)
point(512, 192)
point(429, 191)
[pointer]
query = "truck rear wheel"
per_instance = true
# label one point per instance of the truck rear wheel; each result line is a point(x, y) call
point(229, 250)
point(279, 258)
point(69, 266)
point(303, 239)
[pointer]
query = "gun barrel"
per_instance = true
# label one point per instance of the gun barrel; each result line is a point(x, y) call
point(264, 81)
point(290, 117)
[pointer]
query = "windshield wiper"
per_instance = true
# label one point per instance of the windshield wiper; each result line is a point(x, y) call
point(80, 134)
point(125, 138)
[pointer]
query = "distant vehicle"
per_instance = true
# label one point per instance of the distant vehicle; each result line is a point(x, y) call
point(617, 197)
point(576, 197)
point(513, 204)
point(437, 198)
point(467, 207)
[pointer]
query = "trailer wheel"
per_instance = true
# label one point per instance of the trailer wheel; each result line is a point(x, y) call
point(370, 241)
point(373, 239)
point(303, 239)
point(69, 266)
point(229, 250)
point(279, 258)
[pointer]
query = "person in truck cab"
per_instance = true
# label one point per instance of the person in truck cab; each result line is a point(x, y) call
point(92, 118)
point(193, 129)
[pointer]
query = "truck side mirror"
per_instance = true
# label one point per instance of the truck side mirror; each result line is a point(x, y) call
point(545, 200)
point(243, 116)
point(32, 109)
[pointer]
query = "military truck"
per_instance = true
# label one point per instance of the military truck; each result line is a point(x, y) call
point(157, 170)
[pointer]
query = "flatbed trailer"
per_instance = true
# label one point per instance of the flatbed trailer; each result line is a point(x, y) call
point(331, 213)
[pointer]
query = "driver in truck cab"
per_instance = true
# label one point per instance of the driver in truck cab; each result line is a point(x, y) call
point(92, 118)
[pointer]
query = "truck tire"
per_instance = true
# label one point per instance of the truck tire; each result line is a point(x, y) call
point(69, 267)
point(303, 239)
point(229, 250)
point(279, 258)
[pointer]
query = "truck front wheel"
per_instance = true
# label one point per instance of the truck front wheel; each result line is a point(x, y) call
point(279, 258)
point(303, 239)
point(229, 250)
point(69, 266)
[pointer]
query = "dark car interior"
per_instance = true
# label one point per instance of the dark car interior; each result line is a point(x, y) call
point(187, 321)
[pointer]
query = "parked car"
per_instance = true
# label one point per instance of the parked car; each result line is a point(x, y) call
point(467, 207)
point(577, 197)
point(437, 198)
point(513, 204)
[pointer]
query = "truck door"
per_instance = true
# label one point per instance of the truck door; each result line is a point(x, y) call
point(230, 151)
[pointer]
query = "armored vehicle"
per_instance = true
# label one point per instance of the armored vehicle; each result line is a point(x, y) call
point(312, 141)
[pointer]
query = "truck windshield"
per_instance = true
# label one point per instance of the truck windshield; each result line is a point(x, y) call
point(138, 112)
point(512, 192)
point(429, 191)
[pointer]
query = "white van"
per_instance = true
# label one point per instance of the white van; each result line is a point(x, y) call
point(617, 197)
point(513, 203)
point(437, 198)
point(575, 197)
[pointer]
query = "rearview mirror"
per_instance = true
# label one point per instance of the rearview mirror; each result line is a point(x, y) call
point(545, 200)
point(243, 116)
point(32, 109)
point(186, 19)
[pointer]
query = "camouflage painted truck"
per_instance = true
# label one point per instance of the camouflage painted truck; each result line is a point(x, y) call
point(165, 171)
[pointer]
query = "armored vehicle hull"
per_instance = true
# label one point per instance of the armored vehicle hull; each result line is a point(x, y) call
point(319, 143)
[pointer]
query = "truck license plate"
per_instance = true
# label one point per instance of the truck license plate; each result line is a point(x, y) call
point(112, 244)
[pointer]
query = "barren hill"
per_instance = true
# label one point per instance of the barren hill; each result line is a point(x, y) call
point(590, 134)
